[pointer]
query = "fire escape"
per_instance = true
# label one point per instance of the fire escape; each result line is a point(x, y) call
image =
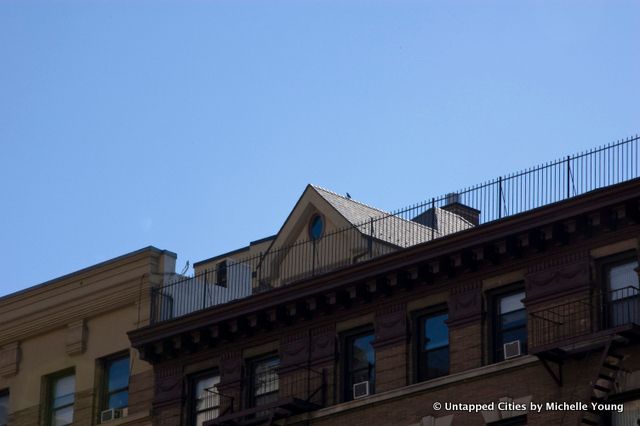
point(603, 322)
point(267, 395)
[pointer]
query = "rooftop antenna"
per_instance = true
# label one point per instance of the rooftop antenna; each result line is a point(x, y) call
point(185, 269)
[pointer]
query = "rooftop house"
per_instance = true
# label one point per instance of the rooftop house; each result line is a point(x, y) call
point(325, 231)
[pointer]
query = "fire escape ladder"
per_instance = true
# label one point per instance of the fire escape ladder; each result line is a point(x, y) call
point(608, 368)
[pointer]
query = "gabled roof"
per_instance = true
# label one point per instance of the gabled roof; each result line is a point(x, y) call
point(384, 226)
point(354, 211)
point(390, 228)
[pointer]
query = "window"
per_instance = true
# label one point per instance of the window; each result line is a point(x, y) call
point(359, 362)
point(4, 407)
point(432, 345)
point(206, 400)
point(510, 322)
point(264, 380)
point(221, 274)
point(316, 227)
point(61, 398)
point(621, 289)
point(116, 383)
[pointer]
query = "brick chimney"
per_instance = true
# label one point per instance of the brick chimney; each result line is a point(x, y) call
point(455, 206)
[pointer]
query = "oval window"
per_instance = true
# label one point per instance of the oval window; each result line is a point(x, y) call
point(316, 227)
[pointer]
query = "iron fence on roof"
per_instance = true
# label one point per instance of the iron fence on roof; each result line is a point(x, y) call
point(232, 279)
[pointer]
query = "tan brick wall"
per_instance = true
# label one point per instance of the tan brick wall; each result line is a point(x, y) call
point(141, 392)
point(465, 347)
point(168, 416)
point(27, 417)
point(391, 367)
point(83, 412)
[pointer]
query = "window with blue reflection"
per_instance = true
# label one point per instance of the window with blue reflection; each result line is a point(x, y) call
point(510, 322)
point(433, 346)
point(316, 227)
point(117, 383)
point(359, 362)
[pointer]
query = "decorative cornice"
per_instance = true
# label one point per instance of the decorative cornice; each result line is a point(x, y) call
point(168, 384)
point(76, 337)
point(294, 337)
point(10, 359)
point(326, 329)
point(70, 311)
point(230, 366)
point(557, 276)
point(465, 303)
point(391, 309)
point(468, 305)
point(466, 287)
point(323, 344)
point(552, 262)
point(148, 257)
point(391, 325)
point(294, 350)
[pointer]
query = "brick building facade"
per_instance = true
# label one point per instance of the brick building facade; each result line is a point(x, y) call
point(539, 307)
point(520, 307)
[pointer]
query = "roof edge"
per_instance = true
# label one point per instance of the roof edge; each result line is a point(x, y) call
point(151, 249)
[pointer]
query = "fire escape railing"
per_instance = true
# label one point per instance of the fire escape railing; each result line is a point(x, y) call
point(556, 325)
point(272, 392)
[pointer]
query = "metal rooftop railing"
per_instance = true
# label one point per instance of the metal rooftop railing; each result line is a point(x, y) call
point(496, 199)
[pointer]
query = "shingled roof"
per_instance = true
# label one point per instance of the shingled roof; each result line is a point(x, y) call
point(390, 228)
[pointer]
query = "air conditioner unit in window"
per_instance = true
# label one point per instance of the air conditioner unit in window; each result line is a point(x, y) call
point(112, 414)
point(360, 390)
point(511, 349)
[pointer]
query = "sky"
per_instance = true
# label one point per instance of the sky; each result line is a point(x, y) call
point(194, 126)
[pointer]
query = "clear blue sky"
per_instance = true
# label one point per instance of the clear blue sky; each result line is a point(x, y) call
point(194, 126)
